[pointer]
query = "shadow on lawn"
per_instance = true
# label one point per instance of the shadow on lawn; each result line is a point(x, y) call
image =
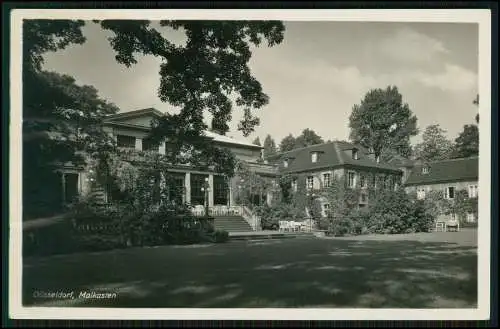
point(279, 273)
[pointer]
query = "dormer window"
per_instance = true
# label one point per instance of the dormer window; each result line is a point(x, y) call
point(425, 170)
point(355, 155)
point(314, 157)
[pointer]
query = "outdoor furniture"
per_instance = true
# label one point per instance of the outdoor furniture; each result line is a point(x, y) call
point(453, 223)
point(440, 226)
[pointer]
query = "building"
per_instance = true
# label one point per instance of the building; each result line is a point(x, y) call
point(447, 177)
point(320, 164)
point(130, 131)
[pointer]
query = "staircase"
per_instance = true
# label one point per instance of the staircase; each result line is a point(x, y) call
point(98, 194)
point(231, 224)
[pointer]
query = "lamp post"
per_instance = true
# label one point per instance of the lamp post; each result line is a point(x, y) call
point(206, 188)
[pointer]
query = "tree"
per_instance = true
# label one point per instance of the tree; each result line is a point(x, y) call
point(287, 143)
point(467, 143)
point(269, 146)
point(308, 138)
point(435, 146)
point(197, 76)
point(383, 122)
point(256, 141)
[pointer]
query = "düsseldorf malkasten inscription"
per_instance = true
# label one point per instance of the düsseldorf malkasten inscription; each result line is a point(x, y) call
point(73, 295)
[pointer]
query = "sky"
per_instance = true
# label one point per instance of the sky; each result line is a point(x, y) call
point(316, 75)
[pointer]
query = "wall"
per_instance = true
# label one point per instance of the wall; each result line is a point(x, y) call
point(140, 121)
point(440, 187)
point(245, 154)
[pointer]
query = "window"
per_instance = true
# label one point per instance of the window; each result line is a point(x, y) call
point(220, 190)
point(310, 182)
point(351, 179)
point(285, 163)
point(294, 184)
point(314, 157)
point(327, 179)
point(197, 195)
point(125, 141)
point(472, 191)
point(176, 188)
point(326, 209)
point(449, 192)
point(381, 182)
point(363, 198)
point(471, 218)
point(147, 145)
point(363, 182)
point(425, 170)
point(421, 193)
point(355, 154)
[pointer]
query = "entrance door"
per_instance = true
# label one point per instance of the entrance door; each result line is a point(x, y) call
point(71, 187)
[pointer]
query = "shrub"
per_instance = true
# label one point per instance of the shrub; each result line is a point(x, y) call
point(221, 236)
point(341, 227)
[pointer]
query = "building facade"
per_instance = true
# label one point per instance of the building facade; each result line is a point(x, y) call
point(130, 131)
point(447, 177)
point(352, 164)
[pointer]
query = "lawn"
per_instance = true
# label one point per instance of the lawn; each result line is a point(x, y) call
point(405, 271)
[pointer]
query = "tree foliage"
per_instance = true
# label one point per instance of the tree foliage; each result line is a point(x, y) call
point(256, 141)
point(467, 143)
point(383, 122)
point(307, 138)
point(434, 146)
point(201, 75)
point(269, 146)
point(287, 143)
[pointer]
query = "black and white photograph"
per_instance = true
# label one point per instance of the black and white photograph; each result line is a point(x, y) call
point(252, 164)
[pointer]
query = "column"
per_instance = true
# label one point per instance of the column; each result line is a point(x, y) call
point(63, 181)
point(138, 144)
point(187, 185)
point(269, 198)
point(231, 198)
point(211, 190)
point(162, 148)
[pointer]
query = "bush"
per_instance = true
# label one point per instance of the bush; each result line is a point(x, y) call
point(221, 236)
point(341, 227)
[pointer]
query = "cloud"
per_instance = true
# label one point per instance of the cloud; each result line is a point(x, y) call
point(454, 79)
point(408, 45)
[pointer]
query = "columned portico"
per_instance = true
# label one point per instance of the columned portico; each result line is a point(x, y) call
point(187, 185)
point(211, 190)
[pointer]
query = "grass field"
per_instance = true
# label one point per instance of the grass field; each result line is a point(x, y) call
point(431, 270)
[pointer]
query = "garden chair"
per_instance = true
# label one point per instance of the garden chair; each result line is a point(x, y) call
point(440, 226)
point(453, 223)
point(281, 225)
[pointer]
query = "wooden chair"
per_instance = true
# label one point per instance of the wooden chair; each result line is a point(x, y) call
point(453, 223)
point(440, 226)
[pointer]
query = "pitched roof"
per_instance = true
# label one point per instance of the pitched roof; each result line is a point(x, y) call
point(118, 119)
point(463, 169)
point(332, 154)
point(400, 161)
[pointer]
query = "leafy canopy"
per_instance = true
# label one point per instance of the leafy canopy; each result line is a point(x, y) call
point(434, 146)
point(383, 122)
